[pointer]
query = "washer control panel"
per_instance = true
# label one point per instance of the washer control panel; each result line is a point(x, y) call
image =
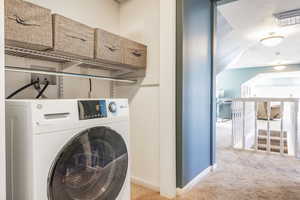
point(92, 109)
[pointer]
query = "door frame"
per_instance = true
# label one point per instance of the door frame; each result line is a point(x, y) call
point(2, 107)
point(168, 96)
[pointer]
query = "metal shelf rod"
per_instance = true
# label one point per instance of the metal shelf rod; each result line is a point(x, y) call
point(67, 74)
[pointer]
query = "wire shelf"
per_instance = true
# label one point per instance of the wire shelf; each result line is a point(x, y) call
point(118, 70)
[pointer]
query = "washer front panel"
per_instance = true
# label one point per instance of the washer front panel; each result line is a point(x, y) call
point(92, 166)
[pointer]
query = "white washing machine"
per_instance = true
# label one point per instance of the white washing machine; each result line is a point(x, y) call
point(68, 149)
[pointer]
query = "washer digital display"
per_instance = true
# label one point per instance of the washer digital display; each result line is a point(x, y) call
point(92, 109)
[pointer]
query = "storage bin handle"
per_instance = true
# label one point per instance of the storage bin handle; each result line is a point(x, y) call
point(22, 21)
point(136, 52)
point(75, 37)
point(112, 48)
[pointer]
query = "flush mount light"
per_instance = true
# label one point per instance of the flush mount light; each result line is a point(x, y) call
point(272, 41)
point(280, 67)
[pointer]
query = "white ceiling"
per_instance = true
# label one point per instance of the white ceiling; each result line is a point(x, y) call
point(250, 21)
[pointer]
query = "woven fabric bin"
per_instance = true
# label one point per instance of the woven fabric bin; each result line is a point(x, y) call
point(27, 25)
point(108, 46)
point(72, 38)
point(134, 54)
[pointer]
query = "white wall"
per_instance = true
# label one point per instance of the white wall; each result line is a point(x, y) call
point(144, 134)
point(2, 117)
point(139, 20)
point(95, 13)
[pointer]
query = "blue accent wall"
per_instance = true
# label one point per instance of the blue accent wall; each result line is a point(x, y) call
point(194, 88)
point(231, 80)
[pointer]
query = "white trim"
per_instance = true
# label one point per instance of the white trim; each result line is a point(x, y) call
point(144, 183)
point(214, 167)
point(196, 180)
point(2, 108)
point(167, 98)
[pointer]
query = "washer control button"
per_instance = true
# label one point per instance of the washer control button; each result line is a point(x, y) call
point(39, 106)
point(112, 107)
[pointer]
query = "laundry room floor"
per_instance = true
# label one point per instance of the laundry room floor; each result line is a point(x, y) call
point(141, 193)
point(241, 175)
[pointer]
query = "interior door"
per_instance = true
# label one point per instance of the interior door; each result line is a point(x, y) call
point(92, 166)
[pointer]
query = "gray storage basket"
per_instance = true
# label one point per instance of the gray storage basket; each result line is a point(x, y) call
point(72, 38)
point(108, 46)
point(27, 25)
point(135, 54)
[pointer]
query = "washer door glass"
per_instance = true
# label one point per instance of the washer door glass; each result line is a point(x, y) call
point(92, 166)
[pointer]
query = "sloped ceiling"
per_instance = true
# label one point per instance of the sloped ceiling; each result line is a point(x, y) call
point(249, 22)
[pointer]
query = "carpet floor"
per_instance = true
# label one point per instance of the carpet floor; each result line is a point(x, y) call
point(240, 175)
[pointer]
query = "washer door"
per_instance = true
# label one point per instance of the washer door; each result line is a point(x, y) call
point(92, 166)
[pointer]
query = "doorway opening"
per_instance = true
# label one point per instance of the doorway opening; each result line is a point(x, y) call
point(257, 90)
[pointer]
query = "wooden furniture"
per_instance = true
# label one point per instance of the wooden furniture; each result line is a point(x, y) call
point(72, 38)
point(27, 25)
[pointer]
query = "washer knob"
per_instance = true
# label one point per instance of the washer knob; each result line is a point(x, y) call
point(112, 107)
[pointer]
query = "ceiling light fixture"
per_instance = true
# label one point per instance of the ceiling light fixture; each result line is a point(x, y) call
point(280, 67)
point(272, 41)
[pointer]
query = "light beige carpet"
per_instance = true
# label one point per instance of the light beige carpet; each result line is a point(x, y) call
point(241, 175)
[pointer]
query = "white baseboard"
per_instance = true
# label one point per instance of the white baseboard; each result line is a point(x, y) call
point(214, 167)
point(145, 184)
point(196, 180)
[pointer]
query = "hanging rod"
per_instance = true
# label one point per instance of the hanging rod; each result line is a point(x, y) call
point(67, 74)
